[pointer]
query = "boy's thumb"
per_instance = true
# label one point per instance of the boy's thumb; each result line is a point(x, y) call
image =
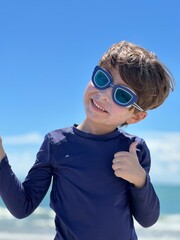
point(132, 148)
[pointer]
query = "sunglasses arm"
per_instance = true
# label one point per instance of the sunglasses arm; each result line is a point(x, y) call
point(138, 107)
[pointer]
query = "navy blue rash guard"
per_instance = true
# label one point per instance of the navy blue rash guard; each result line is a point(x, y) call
point(89, 201)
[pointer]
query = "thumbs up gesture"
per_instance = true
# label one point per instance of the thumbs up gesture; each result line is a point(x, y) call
point(126, 165)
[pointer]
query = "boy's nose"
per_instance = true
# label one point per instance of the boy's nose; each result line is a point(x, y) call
point(106, 94)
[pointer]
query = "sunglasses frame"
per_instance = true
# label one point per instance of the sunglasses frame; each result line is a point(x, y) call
point(134, 97)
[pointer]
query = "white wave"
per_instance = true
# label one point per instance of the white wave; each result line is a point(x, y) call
point(27, 236)
point(166, 228)
point(40, 213)
point(44, 212)
point(5, 214)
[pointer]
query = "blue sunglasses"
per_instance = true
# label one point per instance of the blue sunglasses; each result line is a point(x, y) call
point(122, 95)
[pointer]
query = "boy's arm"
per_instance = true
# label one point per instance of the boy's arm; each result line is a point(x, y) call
point(21, 199)
point(134, 166)
point(145, 205)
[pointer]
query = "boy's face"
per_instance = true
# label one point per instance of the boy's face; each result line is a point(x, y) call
point(102, 113)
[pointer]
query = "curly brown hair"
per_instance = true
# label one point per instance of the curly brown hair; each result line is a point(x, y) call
point(142, 71)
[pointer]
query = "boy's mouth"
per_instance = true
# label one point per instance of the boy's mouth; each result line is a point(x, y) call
point(98, 106)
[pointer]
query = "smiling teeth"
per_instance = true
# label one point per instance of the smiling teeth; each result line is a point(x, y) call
point(99, 107)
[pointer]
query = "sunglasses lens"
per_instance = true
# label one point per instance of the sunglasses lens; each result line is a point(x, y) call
point(122, 96)
point(100, 79)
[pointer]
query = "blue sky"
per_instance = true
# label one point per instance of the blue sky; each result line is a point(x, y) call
point(48, 50)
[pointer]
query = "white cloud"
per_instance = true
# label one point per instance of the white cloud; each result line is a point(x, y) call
point(29, 138)
point(164, 148)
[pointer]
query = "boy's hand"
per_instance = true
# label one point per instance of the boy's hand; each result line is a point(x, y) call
point(126, 165)
point(2, 152)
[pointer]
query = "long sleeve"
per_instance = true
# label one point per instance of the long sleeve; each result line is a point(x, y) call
point(145, 204)
point(22, 199)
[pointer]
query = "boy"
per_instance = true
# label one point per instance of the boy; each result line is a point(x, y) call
point(100, 173)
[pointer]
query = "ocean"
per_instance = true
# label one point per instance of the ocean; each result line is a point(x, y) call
point(40, 225)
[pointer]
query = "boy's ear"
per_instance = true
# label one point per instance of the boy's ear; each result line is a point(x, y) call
point(136, 117)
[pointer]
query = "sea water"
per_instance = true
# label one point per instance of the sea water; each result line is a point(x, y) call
point(42, 220)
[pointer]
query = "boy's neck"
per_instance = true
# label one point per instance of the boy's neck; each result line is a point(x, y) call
point(92, 128)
